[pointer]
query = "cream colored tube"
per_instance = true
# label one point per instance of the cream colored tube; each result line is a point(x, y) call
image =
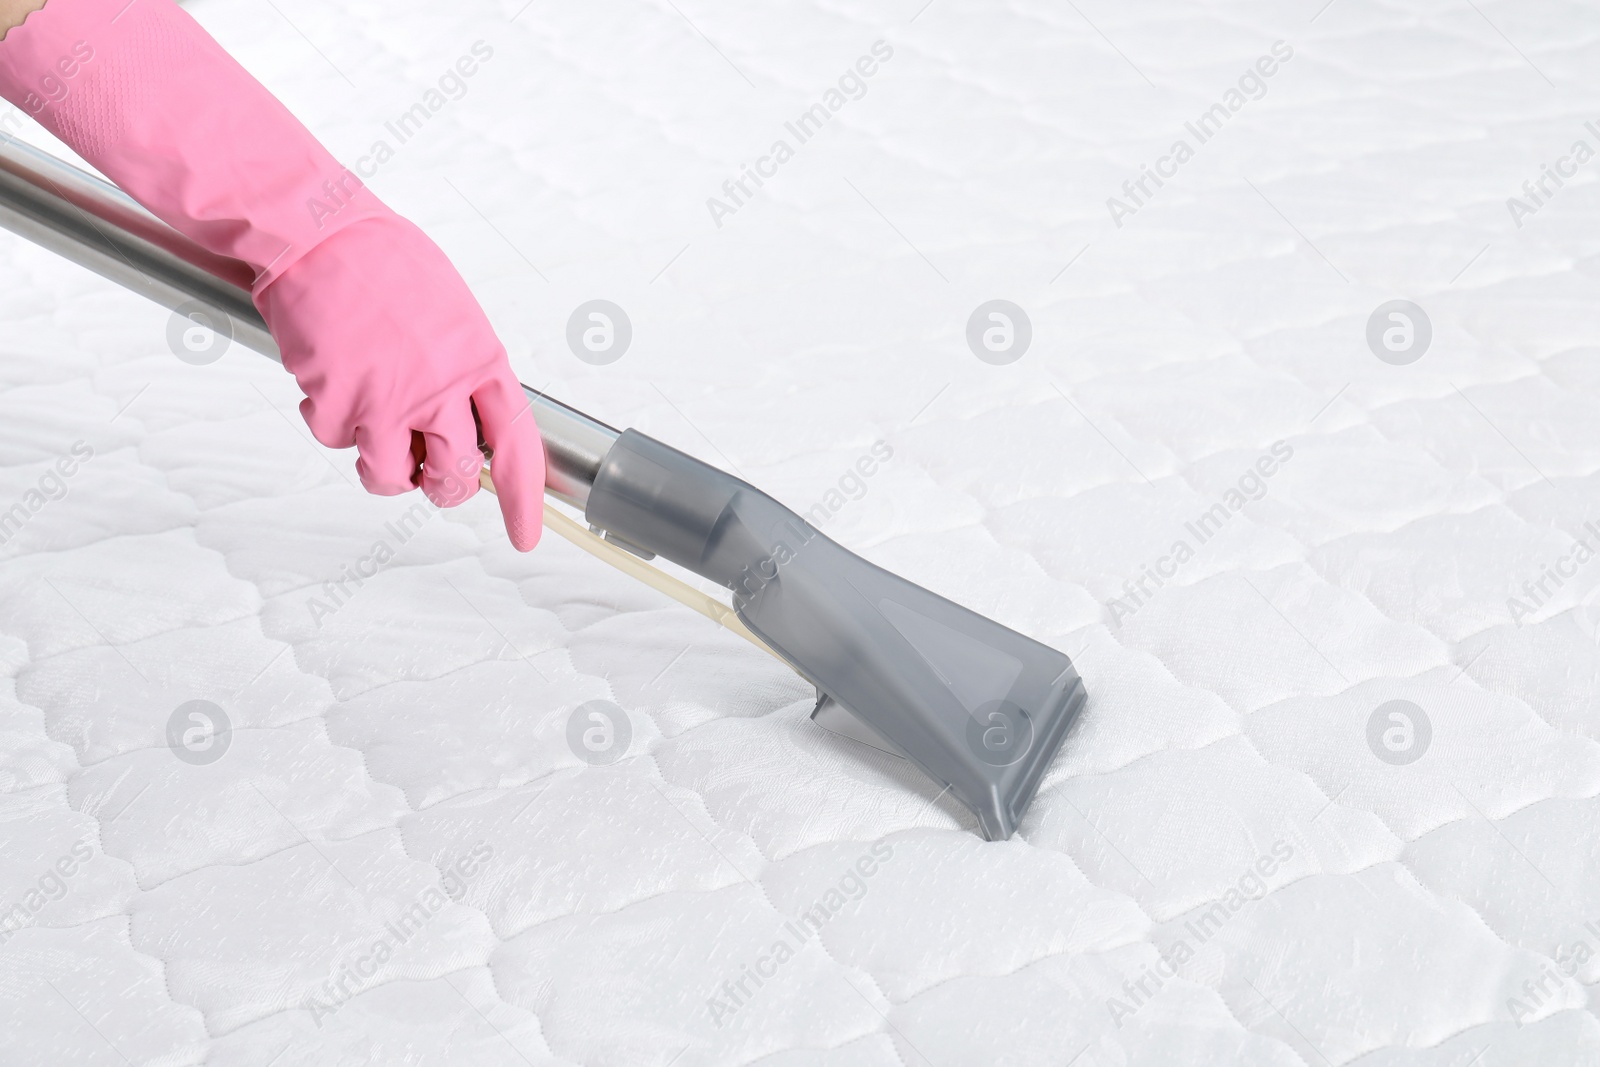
point(631, 565)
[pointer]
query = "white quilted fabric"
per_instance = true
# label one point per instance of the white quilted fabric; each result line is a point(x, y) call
point(1219, 868)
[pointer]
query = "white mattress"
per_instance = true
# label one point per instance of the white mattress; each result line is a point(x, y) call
point(1424, 913)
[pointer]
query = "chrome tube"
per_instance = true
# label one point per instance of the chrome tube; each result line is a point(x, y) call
point(96, 225)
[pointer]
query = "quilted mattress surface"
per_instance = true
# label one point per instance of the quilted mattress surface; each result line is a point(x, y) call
point(1325, 561)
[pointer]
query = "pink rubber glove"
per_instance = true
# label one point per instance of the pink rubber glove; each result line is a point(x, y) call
point(380, 331)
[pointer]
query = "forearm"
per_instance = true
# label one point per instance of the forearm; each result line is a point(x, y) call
point(375, 324)
point(12, 12)
point(146, 96)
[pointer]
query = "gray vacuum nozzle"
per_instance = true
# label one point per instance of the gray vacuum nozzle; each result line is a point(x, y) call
point(980, 708)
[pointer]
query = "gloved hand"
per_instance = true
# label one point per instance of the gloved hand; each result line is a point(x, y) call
point(389, 345)
point(380, 331)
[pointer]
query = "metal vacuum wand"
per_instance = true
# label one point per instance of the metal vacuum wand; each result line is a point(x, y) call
point(980, 708)
point(96, 225)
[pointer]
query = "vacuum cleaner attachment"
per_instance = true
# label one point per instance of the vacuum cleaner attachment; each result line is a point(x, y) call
point(980, 708)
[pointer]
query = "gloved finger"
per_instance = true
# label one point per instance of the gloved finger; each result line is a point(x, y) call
point(327, 424)
point(518, 463)
point(450, 468)
point(388, 463)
